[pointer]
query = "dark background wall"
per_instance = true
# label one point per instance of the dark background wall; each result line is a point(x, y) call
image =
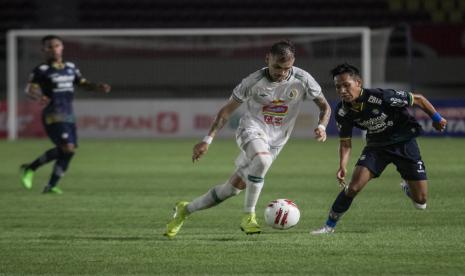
point(434, 28)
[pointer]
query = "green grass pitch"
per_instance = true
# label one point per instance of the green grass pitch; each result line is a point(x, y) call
point(119, 196)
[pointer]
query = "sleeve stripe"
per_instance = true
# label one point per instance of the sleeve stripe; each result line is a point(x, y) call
point(237, 98)
point(410, 96)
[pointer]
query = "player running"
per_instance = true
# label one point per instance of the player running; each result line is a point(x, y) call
point(272, 96)
point(52, 83)
point(390, 138)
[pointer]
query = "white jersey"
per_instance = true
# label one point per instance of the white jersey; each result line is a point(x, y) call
point(272, 107)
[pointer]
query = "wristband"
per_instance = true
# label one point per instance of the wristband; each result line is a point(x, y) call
point(322, 127)
point(436, 117)
point(207, 139)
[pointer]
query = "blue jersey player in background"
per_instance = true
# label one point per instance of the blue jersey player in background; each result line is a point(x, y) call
point(390, 138)
point(52, 83)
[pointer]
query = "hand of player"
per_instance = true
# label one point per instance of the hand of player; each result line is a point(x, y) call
point(103, 87)
point(199, 150)
point(341, 173)
point(44, 100)
point(441, 125)
point(320, 134)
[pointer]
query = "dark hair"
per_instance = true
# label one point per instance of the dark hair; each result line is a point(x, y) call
point(346, 68)
point(50, 37)
point(283, 48)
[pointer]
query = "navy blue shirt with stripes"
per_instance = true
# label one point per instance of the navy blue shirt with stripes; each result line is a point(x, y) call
point(57, 82)
point(382, 113)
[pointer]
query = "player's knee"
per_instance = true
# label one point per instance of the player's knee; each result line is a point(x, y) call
point(260, 164)
point(352, 191)
point(68, 149)
point(237, 182)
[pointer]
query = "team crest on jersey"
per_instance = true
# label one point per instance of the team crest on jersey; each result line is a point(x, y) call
point(293, 93)
point(341, 112)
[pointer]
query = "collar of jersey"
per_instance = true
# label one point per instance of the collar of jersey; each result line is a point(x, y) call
point(57, 65)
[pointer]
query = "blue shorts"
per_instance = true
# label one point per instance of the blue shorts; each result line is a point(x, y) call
point(405, 156)
point(62, 133)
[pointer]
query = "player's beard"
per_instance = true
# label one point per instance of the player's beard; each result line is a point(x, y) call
point(279, 78)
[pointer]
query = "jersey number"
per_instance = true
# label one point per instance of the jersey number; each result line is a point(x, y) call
point(272, 120)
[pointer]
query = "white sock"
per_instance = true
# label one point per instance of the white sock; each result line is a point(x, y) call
point(213, 197)
point(252, 192)
point(261, 161)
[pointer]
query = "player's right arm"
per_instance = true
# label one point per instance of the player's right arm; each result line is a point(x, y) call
point(345, 147)
point(33, 89)
point(34, 92)
point(220, 120)
point(344, 126)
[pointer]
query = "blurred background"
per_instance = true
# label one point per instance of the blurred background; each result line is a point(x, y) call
point(170, 75)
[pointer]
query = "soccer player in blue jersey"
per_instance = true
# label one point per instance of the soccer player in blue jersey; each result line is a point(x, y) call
point(390, 138)
point(52, 83)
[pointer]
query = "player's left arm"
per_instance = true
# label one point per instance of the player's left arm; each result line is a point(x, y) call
point(97, 87)
point(88, 85)
point(439, 123)
point(323, 119)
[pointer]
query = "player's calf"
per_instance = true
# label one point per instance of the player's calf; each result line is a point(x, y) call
point(418, 197)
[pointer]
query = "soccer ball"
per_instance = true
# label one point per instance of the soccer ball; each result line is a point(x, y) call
point(282, 214)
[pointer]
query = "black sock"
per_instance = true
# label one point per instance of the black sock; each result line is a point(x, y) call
point(46, 157)
point(340, 206)
point(61, 165)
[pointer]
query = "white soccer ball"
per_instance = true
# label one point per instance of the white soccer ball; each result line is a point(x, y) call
point(282, 214)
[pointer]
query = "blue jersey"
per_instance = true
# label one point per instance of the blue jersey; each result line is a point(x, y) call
point(382, 113)
point(57, 83)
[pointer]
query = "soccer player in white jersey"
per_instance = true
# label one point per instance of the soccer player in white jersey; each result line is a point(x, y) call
point(273, 96)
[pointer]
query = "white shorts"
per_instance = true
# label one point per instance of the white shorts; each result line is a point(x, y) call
point(242, 161)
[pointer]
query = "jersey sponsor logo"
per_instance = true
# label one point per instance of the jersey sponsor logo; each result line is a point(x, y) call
point(341, 112)
point(375, 111)
point(275, 110)
point(398, 102)
point(274, 114)
point(375, 124)
point(375, 100)
point(62, 78)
